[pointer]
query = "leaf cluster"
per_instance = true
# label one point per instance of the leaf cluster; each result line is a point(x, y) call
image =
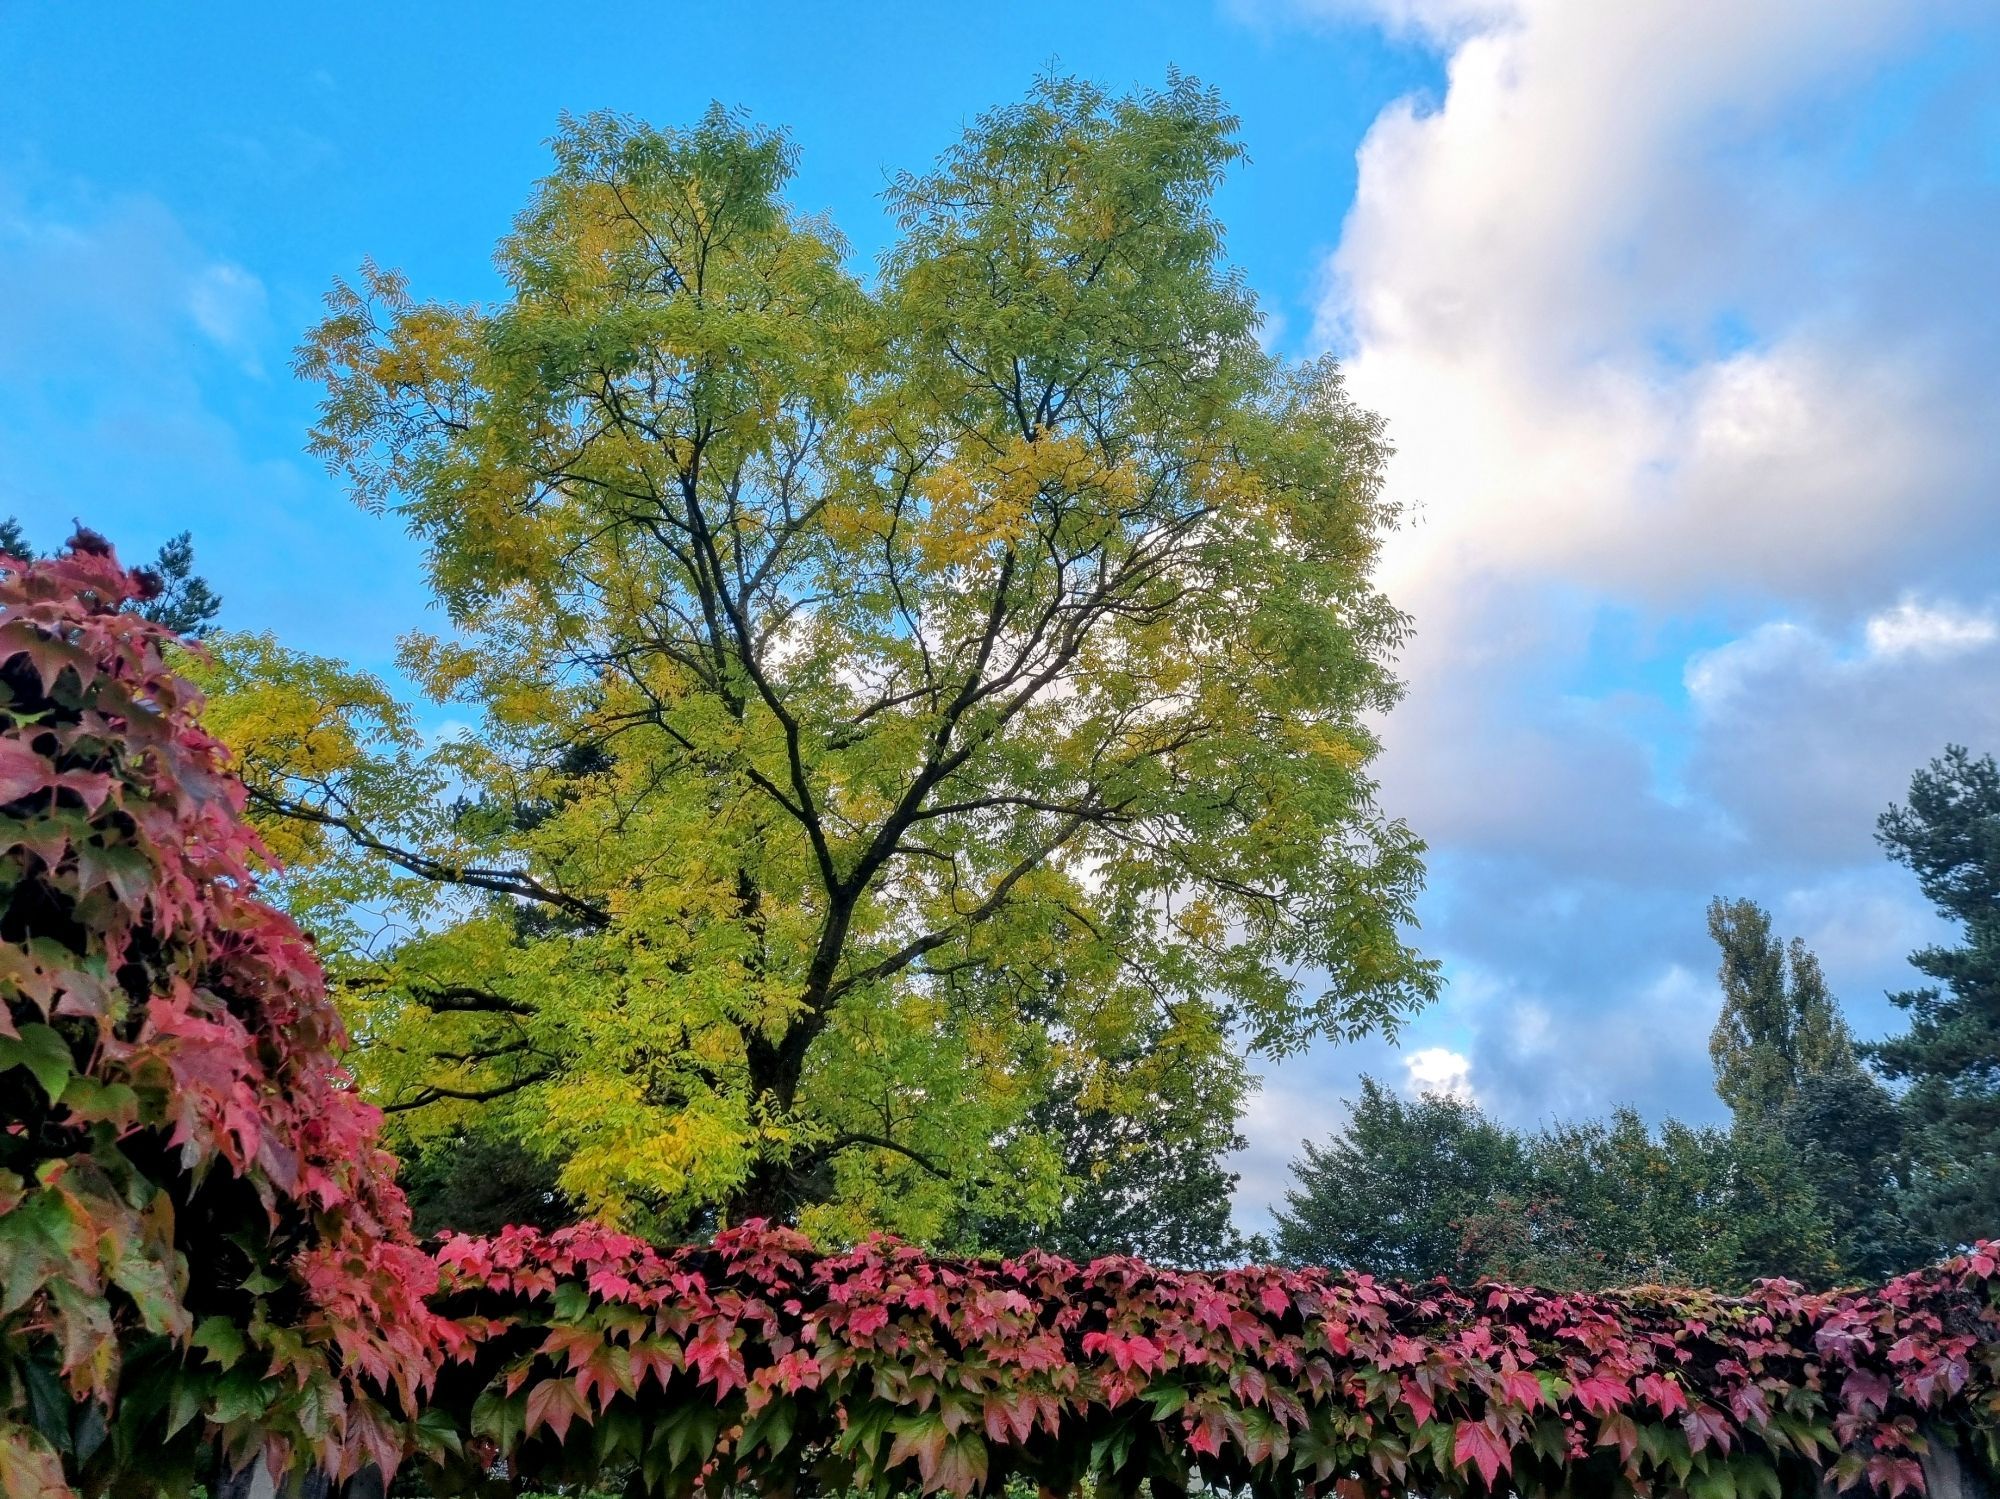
point(202, 1247)
point(757, 1363)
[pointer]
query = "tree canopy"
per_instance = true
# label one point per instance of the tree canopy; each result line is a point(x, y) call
point(885, 697)
point(1433, 1186)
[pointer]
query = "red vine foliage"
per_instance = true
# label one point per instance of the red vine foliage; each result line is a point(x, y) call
point(204, 1258)
point(201, 1244)
point(757, 1363)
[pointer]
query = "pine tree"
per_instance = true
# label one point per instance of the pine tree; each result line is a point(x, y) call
point(185, 603)
point(182, 601)
point(1949, 836)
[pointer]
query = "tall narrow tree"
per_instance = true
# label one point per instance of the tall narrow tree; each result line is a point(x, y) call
point(1778, 1025)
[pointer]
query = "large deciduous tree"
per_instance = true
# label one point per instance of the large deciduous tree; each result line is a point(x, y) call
point(1948, 834)
point(886, 699)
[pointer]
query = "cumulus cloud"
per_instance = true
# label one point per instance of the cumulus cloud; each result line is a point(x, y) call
point(1437, 1072)
point(1916, 629)
point(1681, 325)
point(1802, 741)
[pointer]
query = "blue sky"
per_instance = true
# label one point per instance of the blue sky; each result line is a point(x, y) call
point(1683, 318)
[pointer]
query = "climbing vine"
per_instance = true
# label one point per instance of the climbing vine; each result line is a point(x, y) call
point(204, 1257)
point(755, 1362)
point(205, 1260)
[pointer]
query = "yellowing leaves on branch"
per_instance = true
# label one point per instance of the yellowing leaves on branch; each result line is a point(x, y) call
point(894, 697)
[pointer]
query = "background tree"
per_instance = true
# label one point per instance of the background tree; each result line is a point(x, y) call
point(1394, 1191)
point(1948, 834)
point(185, 603)
point(1786, 1064)
point(1778, 1025)
point(1849, 1135)
point(1435, 1187)
point(478, 1181)
point(181, 600)
point(1680, 1204)
point(1143, 1146)
point(888, 700)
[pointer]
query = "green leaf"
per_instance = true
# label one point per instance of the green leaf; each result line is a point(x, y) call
point(437, 1431)
point(151, 1286)
point(618, 1434)
point(42, 1050)
point(184, 1403)
point(124, 868)
point(1165, 1399)
point(772, 1425)
point(221, 1340)
point(503, 1418)
point(91, 1100)
point(241, 1395)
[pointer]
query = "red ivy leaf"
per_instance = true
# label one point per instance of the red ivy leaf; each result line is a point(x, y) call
point(1480, 1445)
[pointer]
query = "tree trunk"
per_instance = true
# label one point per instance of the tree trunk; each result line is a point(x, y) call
point(1958, 1473)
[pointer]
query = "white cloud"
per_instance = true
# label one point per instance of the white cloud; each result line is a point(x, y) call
point(1437, 1071)
point(1916, 629)
point(1802, 742)
point(1533, 276)
point(1681, 323)
point(228, 304)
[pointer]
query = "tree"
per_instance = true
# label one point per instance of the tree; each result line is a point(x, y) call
point(1948, 835)
point(1778, 1025)
point(478, 1182)
point(872, 685)
point(177, 597)
point(1394, 1191)
point(185, 603)
point(1677, 1205)
point(1786, 1064)
point(1435, 1187)
point(1142, 1144)
point(1852, 1145)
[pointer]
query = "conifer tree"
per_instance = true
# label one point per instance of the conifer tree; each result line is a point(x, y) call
point(1948, 835)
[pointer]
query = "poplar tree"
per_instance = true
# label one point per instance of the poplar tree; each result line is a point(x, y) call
point(1779, 1025)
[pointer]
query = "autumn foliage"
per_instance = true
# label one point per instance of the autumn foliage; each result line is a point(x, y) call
point(204, 1258)
point(201, 1245)
point(756, 1362)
